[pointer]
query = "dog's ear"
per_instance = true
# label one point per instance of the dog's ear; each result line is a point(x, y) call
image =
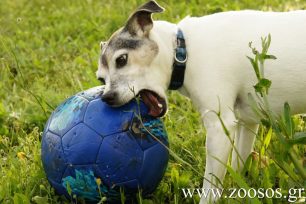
point(140, 22)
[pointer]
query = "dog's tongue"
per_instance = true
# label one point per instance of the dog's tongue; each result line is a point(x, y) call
point(152, 102)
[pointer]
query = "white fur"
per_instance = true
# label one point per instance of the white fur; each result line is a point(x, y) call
point(218, 70)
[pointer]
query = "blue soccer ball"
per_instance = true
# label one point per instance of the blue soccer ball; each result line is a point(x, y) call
point(93, 151)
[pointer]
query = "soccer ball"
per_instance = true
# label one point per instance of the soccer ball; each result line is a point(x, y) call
point(93, 151)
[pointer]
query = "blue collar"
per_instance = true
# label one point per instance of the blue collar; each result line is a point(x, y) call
point(179, 63)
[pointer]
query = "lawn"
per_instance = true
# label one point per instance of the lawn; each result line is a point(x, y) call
point(49, 50)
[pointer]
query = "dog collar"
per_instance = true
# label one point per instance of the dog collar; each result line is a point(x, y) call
point(179, 63)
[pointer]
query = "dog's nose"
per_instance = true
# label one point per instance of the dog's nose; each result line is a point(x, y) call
point(109, 97)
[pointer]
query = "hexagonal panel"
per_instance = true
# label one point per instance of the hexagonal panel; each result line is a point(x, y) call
point(52, 156)
point(155, 160)
point(119, 159)
point(81, 145)
point(107, 120)
point(148, 132)
point(68, 114)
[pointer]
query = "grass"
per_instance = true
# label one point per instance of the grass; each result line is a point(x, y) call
point(49, 51)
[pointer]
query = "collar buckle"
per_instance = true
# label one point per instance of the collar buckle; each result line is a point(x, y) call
point(179, 62)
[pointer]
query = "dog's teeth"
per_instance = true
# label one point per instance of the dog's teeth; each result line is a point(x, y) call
point(160, 105)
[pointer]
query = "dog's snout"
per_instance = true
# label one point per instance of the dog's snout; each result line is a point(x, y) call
point(109, 97)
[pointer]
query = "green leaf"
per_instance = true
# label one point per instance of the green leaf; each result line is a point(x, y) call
point(258, 89)
point(269, 57)
point(237, 178)
point(265, 44)
point(289, 127)
point(255, 66)
point(288, 169)
point(262, 85)
point(265, 83)
point(68, 187)
point(266, 141)
point(298, 138)
point(175, 177)
point(247, 165)
point(241, 183)
point(265, 122)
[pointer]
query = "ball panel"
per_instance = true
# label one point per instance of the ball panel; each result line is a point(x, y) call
point(53, 157)
point(107, 120)
point(119, 159)
point(81, 145)
point(67, 115)
point(155, 162)
point(81, 180)
point(144, 130)
point(92, 93)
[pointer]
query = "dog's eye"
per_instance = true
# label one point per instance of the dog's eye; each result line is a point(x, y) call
point(121, 61)
point(101, 80)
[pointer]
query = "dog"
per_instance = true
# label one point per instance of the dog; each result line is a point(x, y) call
point(139, 59)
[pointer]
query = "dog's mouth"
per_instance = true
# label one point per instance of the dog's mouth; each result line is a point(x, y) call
point(156, 104)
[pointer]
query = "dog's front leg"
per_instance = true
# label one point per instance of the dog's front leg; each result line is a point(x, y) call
point(244, 141)
point(218, 147)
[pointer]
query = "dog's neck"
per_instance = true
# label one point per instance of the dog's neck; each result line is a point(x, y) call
point(164, 34)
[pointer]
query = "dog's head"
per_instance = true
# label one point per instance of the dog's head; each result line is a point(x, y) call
point(128, 64)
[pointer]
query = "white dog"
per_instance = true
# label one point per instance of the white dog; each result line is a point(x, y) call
point(218, 76)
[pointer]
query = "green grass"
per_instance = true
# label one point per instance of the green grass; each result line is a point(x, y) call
point(49, 51)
